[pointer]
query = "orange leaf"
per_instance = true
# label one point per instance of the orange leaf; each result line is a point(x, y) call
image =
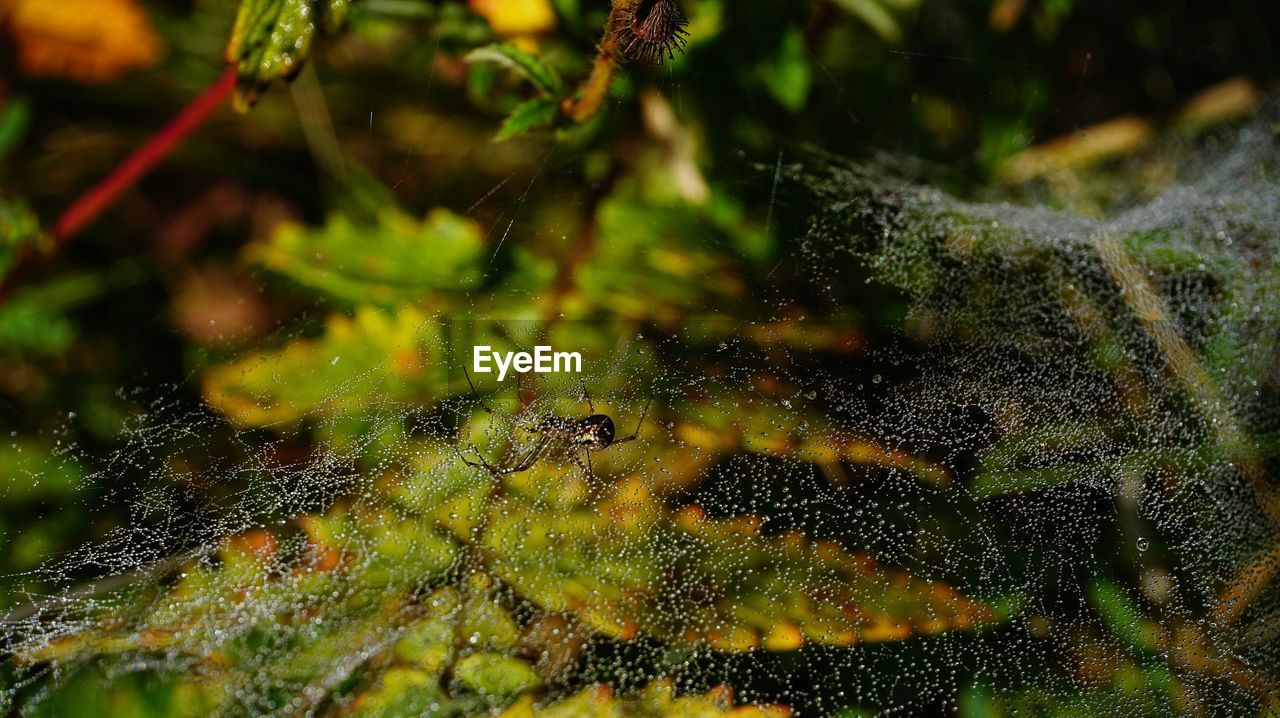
point(86, 40)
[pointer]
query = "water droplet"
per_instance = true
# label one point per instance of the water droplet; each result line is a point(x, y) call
point(334, 361)
point(1143, 543)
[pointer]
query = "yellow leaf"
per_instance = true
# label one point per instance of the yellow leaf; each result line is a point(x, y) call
point(516, 17)
point(1093, 144)
point(86, 40)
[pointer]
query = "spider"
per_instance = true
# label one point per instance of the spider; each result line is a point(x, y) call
point(594, 432)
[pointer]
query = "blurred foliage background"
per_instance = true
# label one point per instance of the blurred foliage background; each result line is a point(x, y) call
point(453, 158)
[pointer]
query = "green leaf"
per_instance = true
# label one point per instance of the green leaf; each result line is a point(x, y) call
point(335, 15)
point(147, 694)
point(1124, 619)
point(531, 68)
point(399, 260)
point(624, 566)
point(271, 40)
point(787, 74)
point(15, 118)
point(644, 266)
point(405, 692)
point(342, 573)
point(428, 643)
point(371, 353)
point(19, 232)
point(628, 566)
point(658, 699)
point(878, 17)
point(528, 116)
point(399, 9)
point(28, 325)
point(34, 320)
point(30, 469)
point(494, 674)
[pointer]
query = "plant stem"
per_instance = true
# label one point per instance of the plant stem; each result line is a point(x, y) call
point(143, 159)
point(85, 209)
point(586, 101)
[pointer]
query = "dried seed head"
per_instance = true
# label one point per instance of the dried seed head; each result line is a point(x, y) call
point(653, 28)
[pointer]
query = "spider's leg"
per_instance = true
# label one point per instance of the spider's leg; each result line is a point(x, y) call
point(464, 459)
point(587, 395)
point(636, 434)
point(531, 456)
point(585, 466)
point(483, 463)
point(520, 395)
point(475, 393)
point(471, 446)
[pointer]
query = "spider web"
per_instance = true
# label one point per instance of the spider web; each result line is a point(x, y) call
point(1067, 441)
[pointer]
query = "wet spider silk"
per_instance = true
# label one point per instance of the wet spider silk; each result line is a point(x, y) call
point(1048, 486)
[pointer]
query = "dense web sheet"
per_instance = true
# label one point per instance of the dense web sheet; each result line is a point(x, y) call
point(1123, 363)
point(1049, 488)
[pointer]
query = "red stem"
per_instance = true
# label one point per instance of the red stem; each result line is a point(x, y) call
point(143, 159)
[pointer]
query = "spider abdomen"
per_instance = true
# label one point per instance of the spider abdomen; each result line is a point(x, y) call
point(595, 432)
